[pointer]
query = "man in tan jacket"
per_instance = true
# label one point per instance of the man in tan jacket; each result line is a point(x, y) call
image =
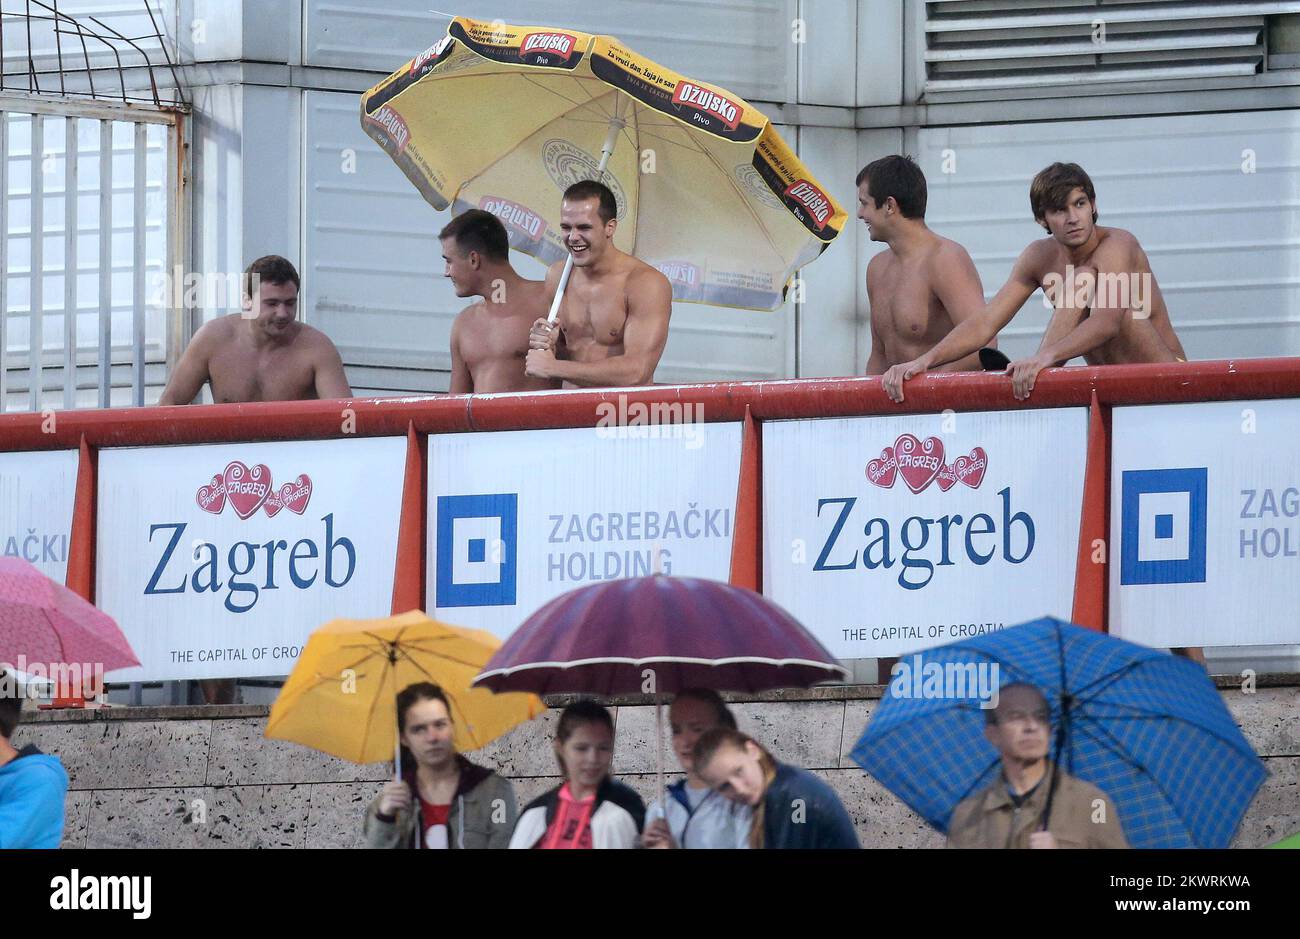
point(1009, 813)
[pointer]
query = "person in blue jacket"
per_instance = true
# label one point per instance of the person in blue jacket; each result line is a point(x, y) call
point(32, 784)
point(792, 807)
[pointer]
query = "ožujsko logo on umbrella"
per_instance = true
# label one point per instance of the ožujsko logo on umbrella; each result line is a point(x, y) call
point(248, 489)
point(541, 46)
point(518, 217)
point(423, 63)
point(680, 272)
point(816, 202)
point(708, 102)
point(921, 462)
point(391, 123)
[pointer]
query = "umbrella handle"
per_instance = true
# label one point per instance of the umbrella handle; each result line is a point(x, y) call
point(616, 123)
point(659, 748)
point(559, 290)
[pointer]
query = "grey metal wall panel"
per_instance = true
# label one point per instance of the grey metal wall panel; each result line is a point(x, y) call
point(880, 52)
point(828, 318)
point(743, 45)
point(828, 56)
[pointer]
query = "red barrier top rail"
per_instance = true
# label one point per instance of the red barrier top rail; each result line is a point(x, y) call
point(722, 401)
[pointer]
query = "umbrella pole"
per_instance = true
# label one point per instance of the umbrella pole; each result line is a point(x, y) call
point(659, 749)
point(616, 124)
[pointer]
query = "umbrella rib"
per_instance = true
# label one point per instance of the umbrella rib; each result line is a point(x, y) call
point(744, 200)
point(506, 151)
point(1115, 747)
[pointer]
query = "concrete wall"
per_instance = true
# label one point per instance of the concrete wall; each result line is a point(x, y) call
point(135, 774)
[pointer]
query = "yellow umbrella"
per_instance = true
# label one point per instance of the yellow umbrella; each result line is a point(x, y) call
point(505, 118)
point(342, 695)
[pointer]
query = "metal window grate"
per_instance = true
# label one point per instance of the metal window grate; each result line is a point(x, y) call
point(974, 45)
point(87, 218)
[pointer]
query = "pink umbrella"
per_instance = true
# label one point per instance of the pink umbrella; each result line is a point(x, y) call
point(46, 623)
point(660, 634)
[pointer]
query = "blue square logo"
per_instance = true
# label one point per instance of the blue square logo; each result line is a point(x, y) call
point(477, 550)
point(1162, 526)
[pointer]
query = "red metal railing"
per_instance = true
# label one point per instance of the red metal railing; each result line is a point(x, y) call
point(1096, 388)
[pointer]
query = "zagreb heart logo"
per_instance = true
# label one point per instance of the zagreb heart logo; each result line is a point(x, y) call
point(883, 470)
point(970, 469)
point(921, 462)
point(918, 462)
point(248, 489)
point(212, 497)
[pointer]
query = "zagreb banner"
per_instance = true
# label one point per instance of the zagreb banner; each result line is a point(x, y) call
point(218, 561)
point(517, 518)
point(886, 535)
point(1205, 510)
point(37, 492)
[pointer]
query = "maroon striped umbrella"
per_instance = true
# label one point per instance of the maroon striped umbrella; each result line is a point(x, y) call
point(44, 622)
point(658, 635)
point(682, 632)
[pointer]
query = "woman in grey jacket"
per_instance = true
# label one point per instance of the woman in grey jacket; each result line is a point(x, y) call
point(442, 800)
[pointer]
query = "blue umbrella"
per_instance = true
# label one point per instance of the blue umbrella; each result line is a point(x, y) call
point(1147, 728)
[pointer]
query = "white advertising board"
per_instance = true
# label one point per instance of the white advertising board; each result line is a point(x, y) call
point(517, 518)
point(38, 490)
point(218, 561)
point(886, 535)
point(1205, 512)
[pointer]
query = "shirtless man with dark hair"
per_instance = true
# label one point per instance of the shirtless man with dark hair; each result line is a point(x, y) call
point(489, 340)
point(1106, 304)
point(613, 318)
point(923, 285)
point(262, 354)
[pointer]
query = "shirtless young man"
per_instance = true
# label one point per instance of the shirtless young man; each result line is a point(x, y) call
point(1107, 305)
point(489, 339)
point(924, 285)
point(263, 354)
point(613, 319)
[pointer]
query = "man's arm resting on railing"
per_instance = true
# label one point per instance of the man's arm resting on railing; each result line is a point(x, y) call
point(972, 334)
point(191, 372)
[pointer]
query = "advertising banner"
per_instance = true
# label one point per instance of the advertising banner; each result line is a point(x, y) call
point(886, 535)
point(517, 518)
point(1205, 513)
point(37, 493)
point(218, 561)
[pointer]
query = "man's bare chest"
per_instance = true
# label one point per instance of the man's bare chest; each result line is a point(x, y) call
point(595, 311)
point(239, 373)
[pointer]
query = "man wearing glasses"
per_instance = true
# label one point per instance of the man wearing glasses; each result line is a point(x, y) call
point(1009, 813)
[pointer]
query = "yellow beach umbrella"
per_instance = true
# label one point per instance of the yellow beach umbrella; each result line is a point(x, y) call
point(342, 695)
point(505, 118)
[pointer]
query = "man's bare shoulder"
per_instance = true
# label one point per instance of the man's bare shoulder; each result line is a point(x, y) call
point(216, 331)
point(880, 260)
point(645, 276)
point(1040, 256)
point(1117, 242)
point(467, 316)
point(948, 252)
point(309, 337)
